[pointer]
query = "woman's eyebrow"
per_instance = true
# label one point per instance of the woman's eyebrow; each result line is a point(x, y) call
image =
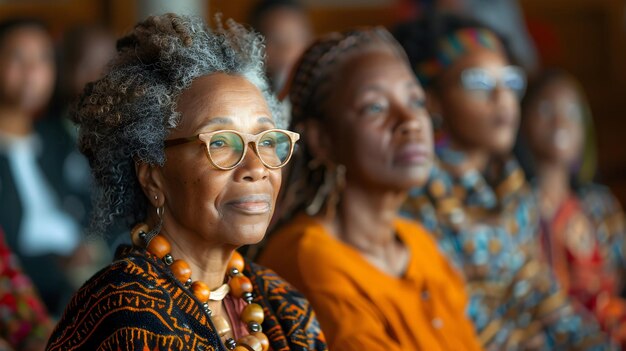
point(219, 120)
point(266, 120)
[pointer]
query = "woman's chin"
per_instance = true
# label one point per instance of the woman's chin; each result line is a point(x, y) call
point(417, 178)
point(246, 234)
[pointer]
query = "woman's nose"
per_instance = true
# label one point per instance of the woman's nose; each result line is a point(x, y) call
point(251, 168)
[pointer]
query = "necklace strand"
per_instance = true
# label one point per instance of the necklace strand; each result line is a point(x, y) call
point(238, 286)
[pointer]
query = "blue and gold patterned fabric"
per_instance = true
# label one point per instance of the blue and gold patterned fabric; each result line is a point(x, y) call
point(136, 304)
point(486, 224)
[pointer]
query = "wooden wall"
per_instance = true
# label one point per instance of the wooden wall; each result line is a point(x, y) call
point(323, 18)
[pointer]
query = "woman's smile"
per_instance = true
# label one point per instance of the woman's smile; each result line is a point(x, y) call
point(255, 204)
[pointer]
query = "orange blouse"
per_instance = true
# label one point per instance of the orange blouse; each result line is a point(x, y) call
point(362, 308)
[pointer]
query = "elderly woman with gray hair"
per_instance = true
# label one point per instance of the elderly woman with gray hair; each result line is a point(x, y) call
point(183, 140)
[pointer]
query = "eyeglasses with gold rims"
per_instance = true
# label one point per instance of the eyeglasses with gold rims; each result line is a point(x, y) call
point(227, 148)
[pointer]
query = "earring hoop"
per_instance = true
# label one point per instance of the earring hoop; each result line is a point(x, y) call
point(157, 228)
point(160, 211)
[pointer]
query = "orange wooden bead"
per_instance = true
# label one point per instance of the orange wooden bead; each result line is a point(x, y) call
point(251, 342)
point(181, 270)
point(236, 261)
point(240, 284)
point(265, 342)
point(201, 291)
point(252, 313)
point(221, 325)
point(159, 246)
point(241, 348)
point(134, 234)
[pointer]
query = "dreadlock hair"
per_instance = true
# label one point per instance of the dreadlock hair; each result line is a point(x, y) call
point(310, 86)
point(125, 116)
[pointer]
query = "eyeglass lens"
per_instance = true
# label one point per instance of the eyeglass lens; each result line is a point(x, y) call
point(479, 79)
point(226, 148)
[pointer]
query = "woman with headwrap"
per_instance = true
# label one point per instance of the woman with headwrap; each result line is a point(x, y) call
point(477, 201)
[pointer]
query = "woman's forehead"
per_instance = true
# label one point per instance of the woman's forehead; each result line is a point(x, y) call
point(221, 98)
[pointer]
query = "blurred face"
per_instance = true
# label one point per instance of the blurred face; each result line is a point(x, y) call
point(26, 69)
point(477, 101)
point(553, 123)
point(379, 128)
point(231, 207)
point(97, 52)
point(287, 34)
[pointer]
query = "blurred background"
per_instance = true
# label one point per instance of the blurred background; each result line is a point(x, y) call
point(586, 37)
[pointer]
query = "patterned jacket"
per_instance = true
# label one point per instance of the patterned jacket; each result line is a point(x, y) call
point(137, 304)
point(487, 225)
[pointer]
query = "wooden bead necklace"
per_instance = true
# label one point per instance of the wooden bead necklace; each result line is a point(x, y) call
point(239, 286)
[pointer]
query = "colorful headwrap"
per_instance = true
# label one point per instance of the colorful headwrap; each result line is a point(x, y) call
point(453, 46)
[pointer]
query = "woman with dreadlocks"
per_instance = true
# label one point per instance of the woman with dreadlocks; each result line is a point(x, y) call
point(375, 281)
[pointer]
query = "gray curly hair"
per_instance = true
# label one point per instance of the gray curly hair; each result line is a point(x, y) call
point(125, 116)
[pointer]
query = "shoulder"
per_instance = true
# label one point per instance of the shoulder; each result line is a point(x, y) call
point(305, 254)
point(414, 234)
point(298, 249)
point(290, 321)
point(598, 197)
point(421, 243)
point(129, 300)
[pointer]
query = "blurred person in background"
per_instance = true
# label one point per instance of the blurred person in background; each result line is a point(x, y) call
point(24, 322)
point(477, 201)
point(582, 224)
point(84, 53)
point(41, 176)
point(287, 31)
point(85, 50)
point(504, 16)
point(376, 282)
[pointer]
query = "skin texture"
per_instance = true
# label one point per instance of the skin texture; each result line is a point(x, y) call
point(381, 132)
point(208, 213)
point(479, 124)
point(26, 77)
point(287, 34)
